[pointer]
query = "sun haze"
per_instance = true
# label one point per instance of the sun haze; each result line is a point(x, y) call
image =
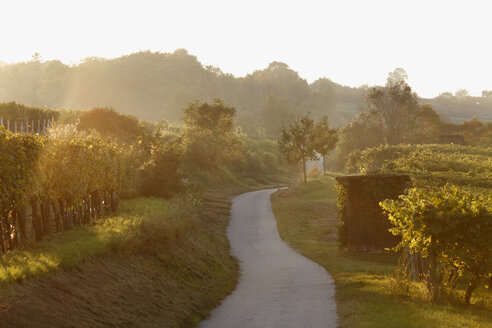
point(441, 44)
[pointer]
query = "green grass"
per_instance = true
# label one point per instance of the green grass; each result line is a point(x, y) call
point(181, 254)
point(69, 248)
point(366, 294)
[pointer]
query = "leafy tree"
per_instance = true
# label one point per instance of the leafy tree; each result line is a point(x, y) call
point(161, 176)
point(393, 107)
point(462, 93)
point(486, 93)
point(110, 123)
point(362, 132)
point(325, 139)
point(297, 142)
point(275, 114)
point(209, 137)
point(323, 98)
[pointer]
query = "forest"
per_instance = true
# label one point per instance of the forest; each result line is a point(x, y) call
point(154, 85)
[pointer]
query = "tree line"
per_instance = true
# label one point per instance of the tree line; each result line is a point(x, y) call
point(153, 85)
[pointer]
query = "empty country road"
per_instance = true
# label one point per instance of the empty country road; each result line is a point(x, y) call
point(278, 287)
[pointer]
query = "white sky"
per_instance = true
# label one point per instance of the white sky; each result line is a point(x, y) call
point(443, 45)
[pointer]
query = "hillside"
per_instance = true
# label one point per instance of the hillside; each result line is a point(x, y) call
point(153, 86)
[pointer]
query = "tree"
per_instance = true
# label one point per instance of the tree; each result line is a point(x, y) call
point(297, 142)
point(394, 107)
point(275, 114)
point(462, 93)
point(209, 137)
point(398, 75)
point(362, 132)
point(429, 125)
point(486, 93)
point(325, 139)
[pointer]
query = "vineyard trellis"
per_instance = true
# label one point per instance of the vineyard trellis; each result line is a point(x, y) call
point(27, 126)
point(53, 182)
point(444, 221)
point(41, 218)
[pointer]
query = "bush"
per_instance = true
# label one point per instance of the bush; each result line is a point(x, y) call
point(161, 176)
point(449, 226)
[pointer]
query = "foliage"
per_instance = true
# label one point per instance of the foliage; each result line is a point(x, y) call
point(17, 173)
point(325, 139)
point(18, 112)
point(342, 215)
point(161, 175)
point(429, 165)
point(297, 142)
point(450, 226)
point(110, 123)
point(275, 115)
point(210, 138)
point(393, 107)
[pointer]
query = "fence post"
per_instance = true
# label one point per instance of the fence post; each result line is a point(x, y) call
point(8, 125)
point(32, 126)
point(22, 127)
point(15, 127)
point(39, 126)
point(1, 121)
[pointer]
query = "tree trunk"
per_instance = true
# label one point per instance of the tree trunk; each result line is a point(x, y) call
point(304, 169)
point(324, 164)
point(63, 214)
point(472, 284)
point(36, 221)
point(56, 212)
point(2, 234)
point(433, 283)
point(21, 220)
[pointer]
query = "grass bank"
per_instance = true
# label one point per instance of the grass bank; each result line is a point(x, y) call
point(366, 294)
point(153, 264)
point(68, 248)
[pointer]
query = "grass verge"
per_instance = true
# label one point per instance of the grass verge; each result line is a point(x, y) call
point(153, 264)
point(69, 248)
point(365, 290)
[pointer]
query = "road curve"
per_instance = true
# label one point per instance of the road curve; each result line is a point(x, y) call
point(277, 287)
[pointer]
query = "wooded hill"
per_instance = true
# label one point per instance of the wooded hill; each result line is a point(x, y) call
point(154, 86)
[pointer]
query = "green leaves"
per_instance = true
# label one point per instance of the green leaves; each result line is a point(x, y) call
point(62, 165)
point(450, 222)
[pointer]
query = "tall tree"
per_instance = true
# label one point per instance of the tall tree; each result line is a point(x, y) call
point(210, 138)
point(394, 107)
point(275, 114)
point(297, 142)
point(325, 139)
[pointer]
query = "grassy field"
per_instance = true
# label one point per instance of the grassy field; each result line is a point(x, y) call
point(366, 292)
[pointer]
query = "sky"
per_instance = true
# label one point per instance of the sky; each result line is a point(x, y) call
point(443, 45)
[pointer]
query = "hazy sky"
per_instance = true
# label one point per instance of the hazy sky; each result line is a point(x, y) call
point(443, 45)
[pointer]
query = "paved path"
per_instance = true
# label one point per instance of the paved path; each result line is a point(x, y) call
point(277, 287)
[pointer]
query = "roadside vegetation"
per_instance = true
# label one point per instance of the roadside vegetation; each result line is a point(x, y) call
point(112, 198)
point(67, 249)
point(369, 291)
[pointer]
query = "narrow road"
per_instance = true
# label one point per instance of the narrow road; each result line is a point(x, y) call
point(277, 287)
